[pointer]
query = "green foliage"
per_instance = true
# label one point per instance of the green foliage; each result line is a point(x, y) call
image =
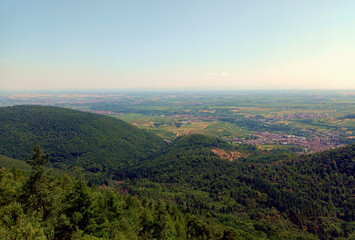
point(40, 206)
point(73, 138)
point(38, 159)
point(301, 189)
point(75, 211)
point(7, 162)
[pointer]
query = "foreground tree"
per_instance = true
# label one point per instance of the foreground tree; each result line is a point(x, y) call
point(38, 159)
point(35, 191)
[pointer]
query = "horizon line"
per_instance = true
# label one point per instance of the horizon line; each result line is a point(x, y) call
point(171, 89)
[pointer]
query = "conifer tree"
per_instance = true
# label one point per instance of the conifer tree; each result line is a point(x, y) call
point(38, 159)
point(35, 190)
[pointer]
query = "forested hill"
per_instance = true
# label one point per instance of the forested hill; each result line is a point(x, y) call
point(187, 159)
point(70, 137)
point(314, 192)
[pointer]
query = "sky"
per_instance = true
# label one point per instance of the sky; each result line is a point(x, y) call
point(285, 44)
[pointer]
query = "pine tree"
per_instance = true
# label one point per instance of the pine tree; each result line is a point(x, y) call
point(38, 159)
point(35, 191)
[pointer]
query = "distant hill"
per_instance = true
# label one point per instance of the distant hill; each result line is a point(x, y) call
point(7, 162)
point(10, 163)
point(73, 138)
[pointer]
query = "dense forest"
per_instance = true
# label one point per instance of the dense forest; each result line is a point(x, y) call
point(73, 138)
point(314, 192)
point(180, 190)
point(37, 205)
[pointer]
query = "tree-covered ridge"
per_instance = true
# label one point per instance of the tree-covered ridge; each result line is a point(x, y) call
point(69, 137)
point(36, 205)
point(314, 192)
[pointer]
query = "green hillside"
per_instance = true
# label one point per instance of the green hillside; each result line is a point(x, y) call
point(73, 138)
point(36, 205)
point(7, 162)
point(313, 193)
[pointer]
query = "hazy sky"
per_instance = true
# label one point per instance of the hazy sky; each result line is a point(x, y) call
point(296, 44)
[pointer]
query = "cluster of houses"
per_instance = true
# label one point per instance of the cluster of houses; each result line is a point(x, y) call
point(318, 141)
